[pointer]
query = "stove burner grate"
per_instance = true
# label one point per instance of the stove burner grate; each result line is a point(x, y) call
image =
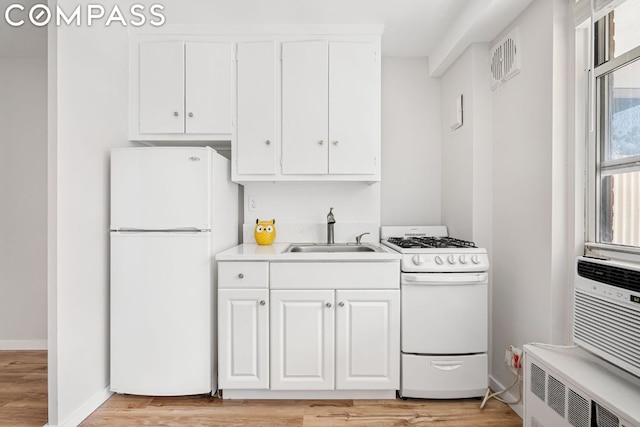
point(430, 242)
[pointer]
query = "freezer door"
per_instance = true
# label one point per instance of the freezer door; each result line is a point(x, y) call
point(161, 188)
point(161, 313)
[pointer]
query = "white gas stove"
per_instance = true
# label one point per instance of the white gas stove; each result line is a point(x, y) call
point(429, 249)
point(444, 326)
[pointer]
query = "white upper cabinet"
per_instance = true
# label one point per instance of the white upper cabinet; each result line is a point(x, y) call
point(181, 91)
point(330, 108)
point(208, 88)
point(161, 88)
point(305, 95)
point(353, 108)
point(256, 141)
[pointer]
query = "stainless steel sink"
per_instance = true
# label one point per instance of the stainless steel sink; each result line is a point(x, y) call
point(326, 248)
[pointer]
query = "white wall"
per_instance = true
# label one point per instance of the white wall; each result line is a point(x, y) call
point(23, 187)
point(92, 118)
point(529, 184)
point(466, 151)
point(411, 143)
point(504, 180)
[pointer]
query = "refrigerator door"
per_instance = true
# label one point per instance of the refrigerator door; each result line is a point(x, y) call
point(161, 188)
point(161, 313)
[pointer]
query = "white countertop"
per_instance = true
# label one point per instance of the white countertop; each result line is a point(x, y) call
point(275, 252)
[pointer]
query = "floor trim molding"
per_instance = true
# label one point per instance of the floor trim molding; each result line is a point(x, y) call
point(85, 410)
point(509, 396)
point(23, 344)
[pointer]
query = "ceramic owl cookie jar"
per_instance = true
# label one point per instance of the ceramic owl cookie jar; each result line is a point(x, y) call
point(265, 232)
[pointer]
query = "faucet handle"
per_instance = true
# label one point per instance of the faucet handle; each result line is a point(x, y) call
point(359, 238)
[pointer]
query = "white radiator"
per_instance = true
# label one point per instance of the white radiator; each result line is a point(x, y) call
point(572, 388)
point(607, 311)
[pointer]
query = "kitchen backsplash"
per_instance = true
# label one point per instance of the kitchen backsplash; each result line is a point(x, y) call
point(317, 232)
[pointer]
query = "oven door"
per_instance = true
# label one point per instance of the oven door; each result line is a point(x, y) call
point(444, 313)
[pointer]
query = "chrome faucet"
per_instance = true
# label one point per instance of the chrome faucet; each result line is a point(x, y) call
point(359, 238)
point(330, 221)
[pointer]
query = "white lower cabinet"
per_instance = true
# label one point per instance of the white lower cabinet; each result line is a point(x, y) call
point(325, 339)
point(307, 340)
point(368, 340)
point(243, 336)
point(302, 340)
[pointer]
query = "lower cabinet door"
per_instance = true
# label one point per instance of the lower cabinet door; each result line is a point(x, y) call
point(302, 340)
point(368, 340)
point(243, 336)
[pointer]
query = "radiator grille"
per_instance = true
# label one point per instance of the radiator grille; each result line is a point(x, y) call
point(538, 382)
point(611, 275)
point(604, 417)
point(612, 328)
point(578, 411)
point(555, 395)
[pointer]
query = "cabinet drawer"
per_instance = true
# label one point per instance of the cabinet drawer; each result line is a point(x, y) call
point(335, 275)
point(243, 275)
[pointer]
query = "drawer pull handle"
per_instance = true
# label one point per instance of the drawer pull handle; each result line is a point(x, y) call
point(340, 304)
point(263, 302)
point(240, 276)
point(328, 305)
point(447, 366)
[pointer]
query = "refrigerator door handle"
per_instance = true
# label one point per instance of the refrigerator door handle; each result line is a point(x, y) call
point(166, 230)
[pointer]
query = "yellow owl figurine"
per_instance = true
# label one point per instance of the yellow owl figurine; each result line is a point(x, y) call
point(265, 232)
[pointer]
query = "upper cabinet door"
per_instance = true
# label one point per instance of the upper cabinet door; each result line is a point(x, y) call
point(256, 145)
point(304, 107)
point(161, 81)
point(208, 86)
point(354, 109)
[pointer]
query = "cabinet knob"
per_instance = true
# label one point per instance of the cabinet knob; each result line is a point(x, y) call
point(335, 142)
point(268, 142)
point(328, 305)
point(240, 276)
point(340, 304)
point(321, 142)
point(190, 114)
point(263, 302)
point(175, 114)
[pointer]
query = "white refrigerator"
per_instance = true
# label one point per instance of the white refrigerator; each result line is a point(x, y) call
point(172, 210)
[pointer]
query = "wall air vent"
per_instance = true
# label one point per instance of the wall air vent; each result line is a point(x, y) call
point(505, 59)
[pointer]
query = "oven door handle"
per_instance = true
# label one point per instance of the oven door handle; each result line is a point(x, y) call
point(445, 278)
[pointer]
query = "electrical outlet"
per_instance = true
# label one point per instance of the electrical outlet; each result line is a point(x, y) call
point(253, 204)
point(513, 358)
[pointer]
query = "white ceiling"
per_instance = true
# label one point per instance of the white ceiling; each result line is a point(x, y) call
point(412, 27)
point(440, 29)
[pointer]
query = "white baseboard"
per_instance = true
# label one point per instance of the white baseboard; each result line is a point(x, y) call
point(509, 396)
point(23, 344)
point(85, 410)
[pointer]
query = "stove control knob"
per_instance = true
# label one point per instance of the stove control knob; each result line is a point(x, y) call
point(418, 259)
point(475, 259)
point(462, 259)
point(451, 259)
point(438, 260)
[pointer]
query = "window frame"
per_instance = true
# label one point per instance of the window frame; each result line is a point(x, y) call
point(600, 67)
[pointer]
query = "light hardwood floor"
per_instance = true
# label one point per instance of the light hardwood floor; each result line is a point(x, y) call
point(23, 402)
point(123, 410)
point(23, 388)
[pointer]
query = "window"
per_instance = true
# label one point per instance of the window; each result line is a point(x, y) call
point(615, 177)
